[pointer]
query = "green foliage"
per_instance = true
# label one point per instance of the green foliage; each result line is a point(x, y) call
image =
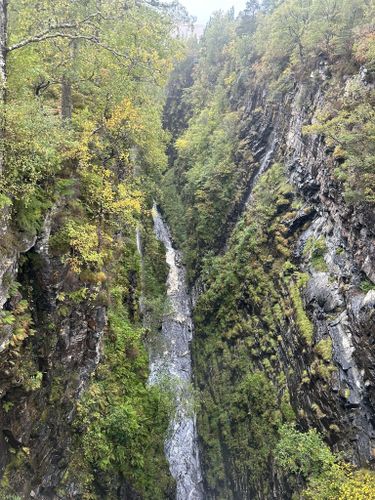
point(122, 422)
point(83, 240)
point(206, 157)
point(29, 212)
point(17, 332)
point(154, 278)
point(367, 285)
point(296, 32)
point(304, 454)
point(205, 179)
point(349, 129)
point(115, 92)
point(34, 382)
point(18, 459)
point(314, 250)
point(324, 349)
point(7, 406)
point(304, 323)
point(5, 201)
point(18, 323)
point(34, 151)
point(244, 397)
point(357, 485)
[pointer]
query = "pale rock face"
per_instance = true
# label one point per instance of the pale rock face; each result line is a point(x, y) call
point(334, 302)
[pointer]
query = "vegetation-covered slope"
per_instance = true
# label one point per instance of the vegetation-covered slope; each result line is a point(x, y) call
point(261, 155)
point(82, 152)
point(281, 264)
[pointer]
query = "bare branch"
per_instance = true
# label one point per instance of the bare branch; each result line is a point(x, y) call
point(53, 31)
point(70, 36)
point(50, 36)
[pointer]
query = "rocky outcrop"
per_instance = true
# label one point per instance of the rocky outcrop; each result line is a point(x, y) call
point(329, 243)
point(334, 296)
point(340, 309)
point(53, 347)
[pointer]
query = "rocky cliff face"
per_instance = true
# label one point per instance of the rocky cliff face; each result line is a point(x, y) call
point(336, 298)
point(50, 346)
point(321, 297)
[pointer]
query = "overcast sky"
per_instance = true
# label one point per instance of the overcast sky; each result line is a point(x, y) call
point(203, 8)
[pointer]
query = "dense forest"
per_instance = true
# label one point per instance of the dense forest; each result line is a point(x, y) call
point(187, 251)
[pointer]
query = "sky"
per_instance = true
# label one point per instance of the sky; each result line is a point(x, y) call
point(202, 9)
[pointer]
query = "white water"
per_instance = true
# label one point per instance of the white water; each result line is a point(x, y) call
point(265, 163)
point(263, 166)
point(171, 359)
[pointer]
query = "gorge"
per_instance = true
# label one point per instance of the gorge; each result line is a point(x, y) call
point(187, 251)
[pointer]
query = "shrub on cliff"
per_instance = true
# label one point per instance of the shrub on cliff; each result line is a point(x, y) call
point(305, 456)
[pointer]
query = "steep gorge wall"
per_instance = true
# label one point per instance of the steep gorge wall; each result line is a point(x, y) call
point(285, 310)
point(73, 362)
point(333, 243)
point(336, 297)
point(52, 348)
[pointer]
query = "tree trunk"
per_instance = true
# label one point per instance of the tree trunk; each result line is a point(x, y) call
point(3, 74)
point(3, 46)
point(66, 85)
point(66, 99)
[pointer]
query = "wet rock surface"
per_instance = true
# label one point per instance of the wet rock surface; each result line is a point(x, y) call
point(330, 379)
point(334, 297)
point(43, 376)
point(171, 359)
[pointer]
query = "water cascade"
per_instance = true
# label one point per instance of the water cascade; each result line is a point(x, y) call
point(265, 163)
point(171, 359)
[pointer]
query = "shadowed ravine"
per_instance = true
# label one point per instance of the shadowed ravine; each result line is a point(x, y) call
point(172, 360)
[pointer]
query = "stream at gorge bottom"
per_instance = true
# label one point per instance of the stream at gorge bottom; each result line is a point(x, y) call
point(171, 360)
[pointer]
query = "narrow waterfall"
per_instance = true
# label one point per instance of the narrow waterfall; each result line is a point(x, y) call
point(172, 359)
point(265, 163)
point(248, 195)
